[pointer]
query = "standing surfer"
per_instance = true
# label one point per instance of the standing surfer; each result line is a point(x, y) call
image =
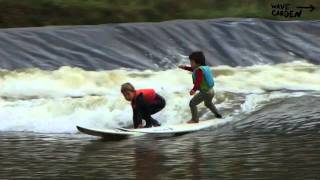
point(144, 102)
point(203, 81)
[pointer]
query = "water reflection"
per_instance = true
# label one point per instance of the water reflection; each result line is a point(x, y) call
point(264, 145)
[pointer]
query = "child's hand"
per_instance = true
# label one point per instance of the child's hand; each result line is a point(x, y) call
point(192, 92)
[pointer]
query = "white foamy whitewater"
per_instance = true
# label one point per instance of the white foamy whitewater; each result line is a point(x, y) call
point(56, 101)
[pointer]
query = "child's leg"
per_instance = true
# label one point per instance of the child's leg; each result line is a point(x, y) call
point(148, 120)
point(156, 107)
point(208, 102)
point(145, 114)
point(197, 99)
point(155, 122)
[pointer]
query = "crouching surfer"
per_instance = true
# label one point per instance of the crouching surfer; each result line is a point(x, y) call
point(144, 102)
point(203, 81)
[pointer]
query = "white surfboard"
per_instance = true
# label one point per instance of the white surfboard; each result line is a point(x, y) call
point(108, 133)
point(175, 129)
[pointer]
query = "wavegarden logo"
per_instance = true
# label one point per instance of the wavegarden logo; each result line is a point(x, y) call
point(288, 11)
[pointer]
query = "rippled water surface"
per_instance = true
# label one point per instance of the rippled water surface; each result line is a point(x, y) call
point(279, 141)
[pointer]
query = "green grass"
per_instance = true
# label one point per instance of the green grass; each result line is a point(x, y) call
point(23, 13)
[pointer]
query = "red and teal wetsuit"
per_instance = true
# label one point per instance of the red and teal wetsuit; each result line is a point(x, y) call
point(203, 81)
point(202, 78)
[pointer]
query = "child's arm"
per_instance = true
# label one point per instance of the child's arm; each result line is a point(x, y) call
point(137, 119)
point(197, 83)
point(186, 68)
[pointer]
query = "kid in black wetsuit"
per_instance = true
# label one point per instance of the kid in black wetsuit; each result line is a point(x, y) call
point(144, 102)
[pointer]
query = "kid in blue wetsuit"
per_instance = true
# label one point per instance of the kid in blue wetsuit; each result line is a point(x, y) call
point(203, 82)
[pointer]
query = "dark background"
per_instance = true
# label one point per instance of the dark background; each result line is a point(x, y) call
point(30, 13)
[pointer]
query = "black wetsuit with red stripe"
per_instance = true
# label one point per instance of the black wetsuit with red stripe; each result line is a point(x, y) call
point(146, 103)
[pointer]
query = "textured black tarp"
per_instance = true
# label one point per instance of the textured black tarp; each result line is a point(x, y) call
point(234, 42)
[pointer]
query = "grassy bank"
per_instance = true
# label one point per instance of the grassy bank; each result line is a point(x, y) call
point(24, 13)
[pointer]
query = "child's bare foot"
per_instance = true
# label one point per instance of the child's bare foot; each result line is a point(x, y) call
point(192, 121)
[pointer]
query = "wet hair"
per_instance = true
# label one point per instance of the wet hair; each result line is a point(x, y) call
point(127, 87)
point(198, 58)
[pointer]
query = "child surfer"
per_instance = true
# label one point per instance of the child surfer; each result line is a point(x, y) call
point(203, 81)
point(144, 102)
